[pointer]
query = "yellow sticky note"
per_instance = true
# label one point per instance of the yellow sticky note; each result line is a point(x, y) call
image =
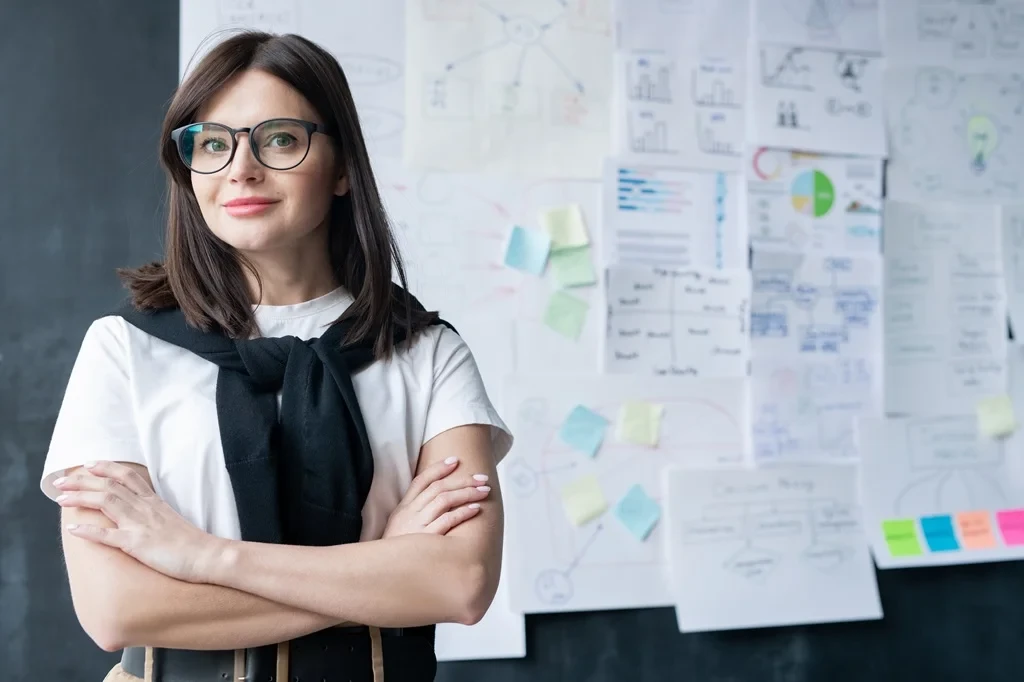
point(995, 416)
point(640, 422)
point(573, 267)
point(583, 500)
point(565, 226)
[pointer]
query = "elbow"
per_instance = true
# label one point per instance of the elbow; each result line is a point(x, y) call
point(105, 628)
point(477, 588)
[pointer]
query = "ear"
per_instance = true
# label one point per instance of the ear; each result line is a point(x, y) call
point(341, 187)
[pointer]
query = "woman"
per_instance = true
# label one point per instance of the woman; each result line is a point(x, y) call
point(273, 463)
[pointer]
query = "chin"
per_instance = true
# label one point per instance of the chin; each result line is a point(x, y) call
point(251, 237)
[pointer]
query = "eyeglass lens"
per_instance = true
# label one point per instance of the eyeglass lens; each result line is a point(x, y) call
point(279, 144)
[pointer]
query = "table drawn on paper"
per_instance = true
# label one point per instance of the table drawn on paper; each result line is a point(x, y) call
point(537, 480)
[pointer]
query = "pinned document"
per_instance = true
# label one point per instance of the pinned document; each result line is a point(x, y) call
point(527, 250)
point(583, 430)
point(565, 226)
point(583, 500)
point(640, 423)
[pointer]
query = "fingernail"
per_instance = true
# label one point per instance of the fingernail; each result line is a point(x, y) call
point(451, 460)
point(474, 506)
point(484, 488)
point(89, 465)
point(72, 526)
point(480, 477)
point(60, 481)
point(61, 498)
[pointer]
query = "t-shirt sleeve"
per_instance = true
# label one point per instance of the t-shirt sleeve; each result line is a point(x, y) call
point(96, 418)
point(458, 396)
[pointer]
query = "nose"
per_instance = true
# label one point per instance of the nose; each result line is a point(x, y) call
point(244, 167)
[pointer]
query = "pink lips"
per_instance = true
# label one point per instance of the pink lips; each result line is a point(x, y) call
point(248, 206)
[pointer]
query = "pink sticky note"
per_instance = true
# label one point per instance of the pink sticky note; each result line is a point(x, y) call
point(1011, 525)
point(976, 530)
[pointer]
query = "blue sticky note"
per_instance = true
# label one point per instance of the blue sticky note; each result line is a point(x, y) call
point(527, 250)
point(638, 512)
point(583, 430)
point(939, 534)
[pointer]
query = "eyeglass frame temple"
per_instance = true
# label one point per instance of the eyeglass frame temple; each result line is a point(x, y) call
point(309, 126)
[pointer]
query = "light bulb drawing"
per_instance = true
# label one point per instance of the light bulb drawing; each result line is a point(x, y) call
point(982, 138)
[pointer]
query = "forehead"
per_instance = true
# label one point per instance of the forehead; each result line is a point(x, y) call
point(254, 96)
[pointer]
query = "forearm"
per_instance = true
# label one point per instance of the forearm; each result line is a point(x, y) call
point(403, 581)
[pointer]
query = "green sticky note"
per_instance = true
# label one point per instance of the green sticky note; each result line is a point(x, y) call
point(583, 500)
point(995, 416)
point(573, 267)
point(640, 422)
point(901, 537)
point(565, 226)
point(566, 314)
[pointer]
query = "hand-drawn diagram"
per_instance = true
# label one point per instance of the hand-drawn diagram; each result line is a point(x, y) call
point(978, 34)
point(956, 135)
point(819, 99)
point(560, 567)
point(670, 322)
point(532, 78)
point(847, 24)
point(806, 202)
point(758, 538)
point(275, 16)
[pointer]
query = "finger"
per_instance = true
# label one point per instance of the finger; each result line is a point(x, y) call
point(83, 480)
point(113, 506)
point(450, 519)
point(126, 476)
point(432, 473)
point(112, 537)
point(455, 498)
point(444, 485)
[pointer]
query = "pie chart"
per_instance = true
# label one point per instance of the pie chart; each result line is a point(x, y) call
point(813, 193)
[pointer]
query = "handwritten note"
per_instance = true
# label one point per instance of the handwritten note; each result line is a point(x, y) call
point(901, 537)
point(566, 314)
point(565, 226)
point(527, 250)
point(573, 267)
point(583, 430)
point(677, 322)
point(638, 512)
point(640, 423)
point(583, 500)
point(995, 416)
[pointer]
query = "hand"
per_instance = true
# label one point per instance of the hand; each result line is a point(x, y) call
point(437, 501)
point(146, 526)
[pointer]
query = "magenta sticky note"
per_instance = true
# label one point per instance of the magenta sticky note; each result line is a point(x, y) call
point(1011, 526)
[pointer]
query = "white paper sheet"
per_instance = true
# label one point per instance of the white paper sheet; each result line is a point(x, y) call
point(987, 34)
point(955, 135)
point(808, 202)
point(945, 308)
point(1013, 266)
point(780, 546)
point(937, 492)
point(508, 85)
point(847, 24)
point(817, 99)
point(671, 216)
point(674, 322)
point(555, 566)
point(370, 46)
point(708, 28)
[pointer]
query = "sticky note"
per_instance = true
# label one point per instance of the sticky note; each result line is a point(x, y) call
point(901, 537)
point(939, 534)
point(640, 422)
point(638, 512)
point(583, 430)
point(565, 226)
point(573, 267)
point(976, 530)
point(566, 314)
point(1011, 526)
point(527, 250)
point(583, 500)
point(995, 416)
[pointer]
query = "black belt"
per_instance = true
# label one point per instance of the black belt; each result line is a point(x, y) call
point(335, 654)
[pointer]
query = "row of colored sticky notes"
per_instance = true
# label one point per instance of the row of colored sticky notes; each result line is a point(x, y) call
point(639, 423)
point(584, 501)
point(971, 530)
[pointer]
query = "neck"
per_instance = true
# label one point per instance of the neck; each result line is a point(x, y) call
point(293, 275)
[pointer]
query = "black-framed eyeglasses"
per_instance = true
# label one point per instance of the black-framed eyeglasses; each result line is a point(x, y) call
point(278, 143)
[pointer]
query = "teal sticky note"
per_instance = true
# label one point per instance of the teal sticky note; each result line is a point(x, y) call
point(939, 534)
point(583, 430)
point(638, 512)
point(527, 250)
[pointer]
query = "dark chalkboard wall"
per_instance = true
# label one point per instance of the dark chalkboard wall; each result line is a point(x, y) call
point(83, 84)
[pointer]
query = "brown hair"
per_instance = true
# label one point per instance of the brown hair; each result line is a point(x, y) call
point(203, 275)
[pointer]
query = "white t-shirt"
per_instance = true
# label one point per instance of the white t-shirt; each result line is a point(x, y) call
point(134, 398)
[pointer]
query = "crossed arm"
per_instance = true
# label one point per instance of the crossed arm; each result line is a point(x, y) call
point(250, 594)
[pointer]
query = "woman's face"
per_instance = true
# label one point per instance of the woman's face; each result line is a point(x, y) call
point(298, 199)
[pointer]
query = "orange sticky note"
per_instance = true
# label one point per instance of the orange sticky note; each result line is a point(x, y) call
point(976, 530)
